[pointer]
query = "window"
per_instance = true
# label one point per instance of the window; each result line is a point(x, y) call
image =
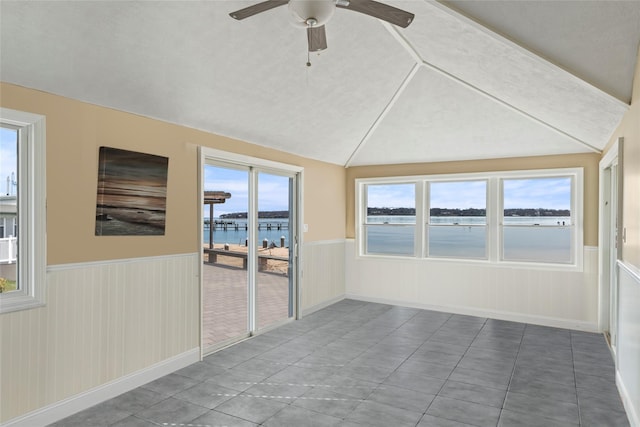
point(390, 219)
point(22, 210)
point(532, 217)
point(458, 219)
point(536, 220)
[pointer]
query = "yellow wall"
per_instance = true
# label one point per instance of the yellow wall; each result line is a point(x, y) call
point(105, 321)
point(629, 129)
point(75, 131)
point(588, 161)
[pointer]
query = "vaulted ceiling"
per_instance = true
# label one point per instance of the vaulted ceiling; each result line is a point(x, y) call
point(466, 80)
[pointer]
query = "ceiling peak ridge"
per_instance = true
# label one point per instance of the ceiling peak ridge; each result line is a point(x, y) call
point(408, 78)
point(421, 62)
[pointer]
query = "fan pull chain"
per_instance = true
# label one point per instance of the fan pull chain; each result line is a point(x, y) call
point(307, 70)
point(310, 23)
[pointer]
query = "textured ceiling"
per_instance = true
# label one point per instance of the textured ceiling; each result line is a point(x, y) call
point(587, 39)
point(446, 88)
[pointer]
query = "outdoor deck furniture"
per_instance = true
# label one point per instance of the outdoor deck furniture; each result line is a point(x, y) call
point(212, 257)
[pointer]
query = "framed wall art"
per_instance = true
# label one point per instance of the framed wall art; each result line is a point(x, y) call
point(132, 193)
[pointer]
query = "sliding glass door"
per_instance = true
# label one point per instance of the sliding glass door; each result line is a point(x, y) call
point(274, 290)
point(249, 249)
point(225, 274)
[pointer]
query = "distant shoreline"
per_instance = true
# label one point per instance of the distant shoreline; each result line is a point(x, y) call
point(261, 215)
point(527, 212)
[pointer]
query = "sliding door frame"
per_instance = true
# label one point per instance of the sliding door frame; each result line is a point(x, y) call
point(255, 166)
point(610, 241)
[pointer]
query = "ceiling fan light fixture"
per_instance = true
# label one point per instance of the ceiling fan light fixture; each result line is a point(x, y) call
point(313, 14)
point(303, 11)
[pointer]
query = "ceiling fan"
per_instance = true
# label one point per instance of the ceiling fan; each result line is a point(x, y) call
point(313, 14)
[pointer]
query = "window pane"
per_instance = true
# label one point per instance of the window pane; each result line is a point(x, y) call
point(458, 242)
point(537, 201)
point(390, 240)
point(391, 204)
point(541, 244)
point(8, 209)
point(537, 220)
point(391, 218)
point(457, 219)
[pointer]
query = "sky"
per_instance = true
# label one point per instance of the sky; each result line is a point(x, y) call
point(8, 156)
point(391, 196)
point(548, 193)
point(460, 195)
point(273, 190)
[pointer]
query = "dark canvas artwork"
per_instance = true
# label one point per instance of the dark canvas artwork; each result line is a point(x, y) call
point(132, 193)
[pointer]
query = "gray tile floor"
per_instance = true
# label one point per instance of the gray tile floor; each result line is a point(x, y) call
point(356, 363)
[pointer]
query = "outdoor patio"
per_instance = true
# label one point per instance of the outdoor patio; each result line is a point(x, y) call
point(225, 301)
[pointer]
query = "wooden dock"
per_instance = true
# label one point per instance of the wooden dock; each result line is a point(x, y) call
point(232, 225)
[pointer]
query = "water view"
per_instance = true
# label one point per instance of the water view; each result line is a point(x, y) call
point(544, 239)
point(458, 218)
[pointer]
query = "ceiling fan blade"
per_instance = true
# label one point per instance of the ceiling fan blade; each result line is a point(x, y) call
point(378, 10)
point(317, 38)
point(257, 8)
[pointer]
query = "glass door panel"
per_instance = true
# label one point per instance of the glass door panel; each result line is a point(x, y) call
point(275, 224)
point(225, 272)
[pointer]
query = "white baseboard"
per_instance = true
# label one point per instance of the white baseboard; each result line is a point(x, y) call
point(64, 408)
point(632, 414)
point(323, 304)
point(492, 314)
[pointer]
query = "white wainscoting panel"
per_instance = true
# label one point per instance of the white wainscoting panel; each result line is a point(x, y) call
point(102, 321)
point(323, 274)
point(559, 298)
point(628, 351)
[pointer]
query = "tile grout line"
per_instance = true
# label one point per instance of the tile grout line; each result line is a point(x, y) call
point(575, 380)
point(445, 379)
point(448, 326)
point(513, 371)
point(290, 403)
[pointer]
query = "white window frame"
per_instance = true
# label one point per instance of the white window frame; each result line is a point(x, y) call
point(427, 216)
point(31, 269)
point(494, 215)
point(576, 200)
point(417, 245)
